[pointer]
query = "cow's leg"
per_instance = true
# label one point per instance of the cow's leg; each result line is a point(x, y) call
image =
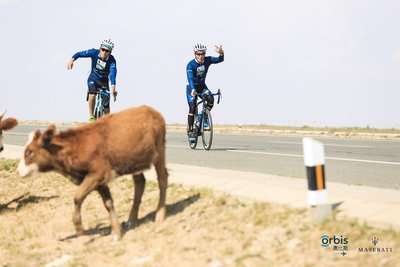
point(87, 186)
point(105, 194)
point(162, 176)
point(139, 188)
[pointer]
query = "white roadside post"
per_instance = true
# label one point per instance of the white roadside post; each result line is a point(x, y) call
point(314, 160)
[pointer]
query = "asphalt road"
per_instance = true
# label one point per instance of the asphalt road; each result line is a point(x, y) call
point(351, 161)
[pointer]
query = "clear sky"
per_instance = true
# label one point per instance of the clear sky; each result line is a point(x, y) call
point(287, 62)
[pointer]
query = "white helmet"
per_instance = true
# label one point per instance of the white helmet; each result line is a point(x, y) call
point(199, 48)
point(107, 44)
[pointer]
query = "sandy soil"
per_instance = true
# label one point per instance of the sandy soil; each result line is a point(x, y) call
point(202, 229)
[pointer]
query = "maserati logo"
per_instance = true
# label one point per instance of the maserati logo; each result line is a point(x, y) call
point(375, 249)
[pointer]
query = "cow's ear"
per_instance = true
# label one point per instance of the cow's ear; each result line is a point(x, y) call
point(2, 114)
point(8, 124)
point(34, 135)
point(48, 135)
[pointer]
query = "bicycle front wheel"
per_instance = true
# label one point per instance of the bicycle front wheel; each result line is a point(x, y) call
point(98, 113)
point(98, 108)
point(207, 129)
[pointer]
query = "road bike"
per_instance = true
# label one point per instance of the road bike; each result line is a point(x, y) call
point(203, 125)
point(99, 110)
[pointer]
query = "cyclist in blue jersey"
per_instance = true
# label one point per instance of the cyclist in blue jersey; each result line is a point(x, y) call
point(196, 71)
point(104, 69)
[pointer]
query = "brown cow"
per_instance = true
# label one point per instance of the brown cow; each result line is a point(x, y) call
point(127, 142)
point(5, 125)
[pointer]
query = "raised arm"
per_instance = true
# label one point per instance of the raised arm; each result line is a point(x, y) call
point(86, 53)
point(220, 58)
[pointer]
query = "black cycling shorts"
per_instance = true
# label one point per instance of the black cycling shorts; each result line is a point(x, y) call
point(94, 85)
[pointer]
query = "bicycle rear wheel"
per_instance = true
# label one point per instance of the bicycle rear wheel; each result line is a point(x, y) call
point(193, 138)
point(207, 129)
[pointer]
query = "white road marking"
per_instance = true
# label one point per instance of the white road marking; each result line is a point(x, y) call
point(300, 143)
point(367, 161)
point(332, 158)
point(177, 146)
point(301, 156)
point(14, 133)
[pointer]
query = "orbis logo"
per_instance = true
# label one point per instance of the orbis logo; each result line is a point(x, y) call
point(326, 240)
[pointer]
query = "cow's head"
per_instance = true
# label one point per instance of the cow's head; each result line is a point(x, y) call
point(5, 125)
point(39, 153)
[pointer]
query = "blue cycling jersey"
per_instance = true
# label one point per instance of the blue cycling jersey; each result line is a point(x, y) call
point(196, 73)
point(101, 70)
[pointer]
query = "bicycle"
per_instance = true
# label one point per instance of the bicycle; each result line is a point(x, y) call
point(99, 104)
point(203, 125)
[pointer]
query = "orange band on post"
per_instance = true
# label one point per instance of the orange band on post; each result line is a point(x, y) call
point(320, 177)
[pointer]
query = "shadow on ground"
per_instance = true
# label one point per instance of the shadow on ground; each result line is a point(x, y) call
point(22, 201)
point(172, 210)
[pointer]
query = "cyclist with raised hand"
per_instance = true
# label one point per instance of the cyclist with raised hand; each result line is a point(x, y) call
point(104, 69)
point(196, 71)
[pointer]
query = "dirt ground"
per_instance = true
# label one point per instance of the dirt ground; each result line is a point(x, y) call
point(201, 229)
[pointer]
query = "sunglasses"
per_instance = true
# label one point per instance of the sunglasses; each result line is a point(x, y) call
point(105, 50)
point(200, 54)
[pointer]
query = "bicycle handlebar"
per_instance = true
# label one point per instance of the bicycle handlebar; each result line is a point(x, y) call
point(103, 89)
point(218, 94)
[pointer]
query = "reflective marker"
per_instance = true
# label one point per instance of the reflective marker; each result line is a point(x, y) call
point(314, 160)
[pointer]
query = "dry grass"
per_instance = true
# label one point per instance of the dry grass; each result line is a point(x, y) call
point(202, 229)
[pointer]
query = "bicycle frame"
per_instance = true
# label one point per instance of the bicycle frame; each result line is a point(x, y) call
point(204, 102)
point(99, 110)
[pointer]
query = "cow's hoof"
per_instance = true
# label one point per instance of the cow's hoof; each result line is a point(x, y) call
point(129, 225)
point(160, 215)
point(79, 230)
point(116, 237)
